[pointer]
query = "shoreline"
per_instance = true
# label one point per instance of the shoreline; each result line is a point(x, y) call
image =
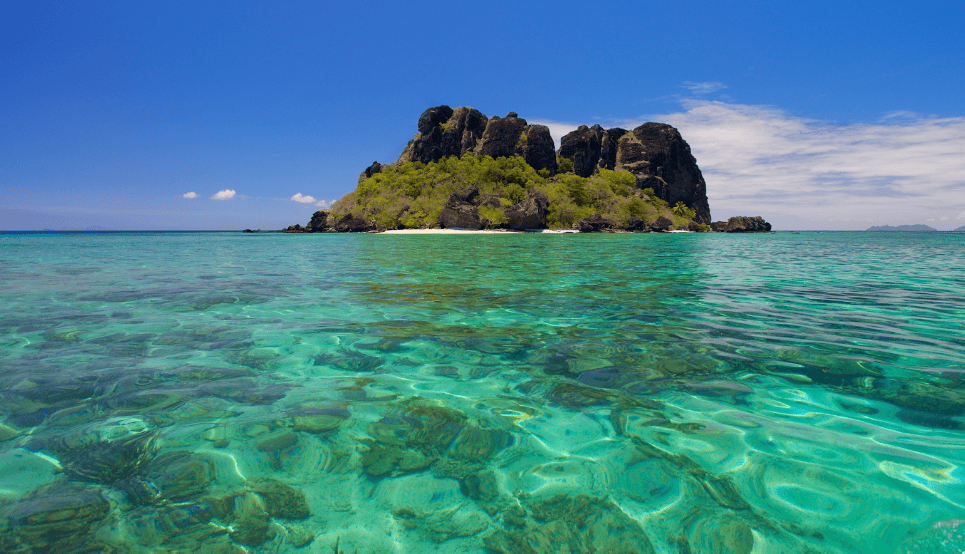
point(470, 232)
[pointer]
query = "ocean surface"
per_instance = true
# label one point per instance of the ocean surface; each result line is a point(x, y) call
point(674, 394)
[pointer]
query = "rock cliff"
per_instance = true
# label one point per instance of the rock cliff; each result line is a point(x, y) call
point(654, 153)
point(741, 224)
point(445, 132)
point(493, 189)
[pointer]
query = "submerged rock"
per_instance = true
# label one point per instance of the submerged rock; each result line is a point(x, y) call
point(107, 452)
point(177, 476)
point(281, 500)
point(60, 517)
point(565, 524)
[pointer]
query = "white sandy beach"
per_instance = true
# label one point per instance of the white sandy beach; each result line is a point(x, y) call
point(468, 232)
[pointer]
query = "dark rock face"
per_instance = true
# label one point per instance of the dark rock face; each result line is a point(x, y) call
point(371, 170)
point(351, 224)
point(591, 147)
point(741, 224)
point(434, 117)
point(318, 223)
point(655, 153)
point(502, 137)
point(694, 227)
point(528, 214)
point(538, 149)
point(460, 212)
point(445, 132)
point(660, 159)
point(661, 224)
point(596, 224)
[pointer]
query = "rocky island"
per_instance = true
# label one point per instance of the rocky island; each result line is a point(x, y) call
point(464, 170)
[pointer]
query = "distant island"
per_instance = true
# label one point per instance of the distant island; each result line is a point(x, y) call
point(919, 228)
point(463, 170)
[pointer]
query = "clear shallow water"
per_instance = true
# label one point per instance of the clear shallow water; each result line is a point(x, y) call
point(517, 393)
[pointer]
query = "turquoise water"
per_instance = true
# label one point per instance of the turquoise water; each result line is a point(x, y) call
point(228, 392)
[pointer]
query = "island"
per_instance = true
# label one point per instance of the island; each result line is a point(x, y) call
point(919, 228)
point(464, 170)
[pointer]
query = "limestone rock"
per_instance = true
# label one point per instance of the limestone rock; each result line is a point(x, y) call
point(538, 149)
point(444, 132)
point(661, 159)
point(371, 170)
point(433, 117)
point(596, 224)
point(460, 212)
point(528, 214)
point(741, 224)
point(591, 147)
point(662, 224)
point(319, 222)
point(351, 224)
point(502, 136)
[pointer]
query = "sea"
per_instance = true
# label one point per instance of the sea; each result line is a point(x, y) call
point(229, 392)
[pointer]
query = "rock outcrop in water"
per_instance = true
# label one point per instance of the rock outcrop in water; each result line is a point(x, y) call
point(740, 224)
point(640, 180)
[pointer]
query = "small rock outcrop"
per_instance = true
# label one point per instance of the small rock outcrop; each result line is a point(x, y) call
point(740, 224)
point(371, 170)
point(596, 224)
point(351, 224)
point(318, 223)
point(661, 225)
point(461, 212)
point(655, 153)
point(528, 214)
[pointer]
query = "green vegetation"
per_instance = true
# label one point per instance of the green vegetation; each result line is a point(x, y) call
point(565, 164)
point(412, 195)
point(681, 210)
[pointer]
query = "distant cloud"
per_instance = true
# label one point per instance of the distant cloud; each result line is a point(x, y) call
point(303, 199)
point(226, 194)
point(704, 87)
point(801, 173)
point(189, 195)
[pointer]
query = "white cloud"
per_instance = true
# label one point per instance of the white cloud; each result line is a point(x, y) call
point(304, 199)
point(703, 87)
point(226, 194)
point(802, 173)
point(189, 195)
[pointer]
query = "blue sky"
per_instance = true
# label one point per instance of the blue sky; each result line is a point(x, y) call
point(815, 115)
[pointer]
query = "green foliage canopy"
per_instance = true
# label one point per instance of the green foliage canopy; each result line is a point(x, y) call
point(413, 194)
